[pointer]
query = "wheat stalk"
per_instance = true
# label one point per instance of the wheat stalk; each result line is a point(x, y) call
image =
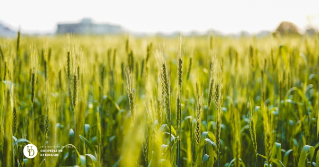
point(218, 102)
point(5, 71)
point(166, 93)
point(1, 53)
point(15, 120)
point(198, 115)
point(189, 67)
point(75, 94)
point(251, 58)
point(130, 93)
point(18, 43)
point(211, 42)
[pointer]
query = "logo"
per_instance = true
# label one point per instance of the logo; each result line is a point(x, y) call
point(30, 151)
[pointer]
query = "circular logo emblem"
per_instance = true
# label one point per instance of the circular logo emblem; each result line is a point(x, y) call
point(30, 151)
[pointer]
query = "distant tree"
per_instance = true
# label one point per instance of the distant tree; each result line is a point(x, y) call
point(287, 28)
point(311, 31)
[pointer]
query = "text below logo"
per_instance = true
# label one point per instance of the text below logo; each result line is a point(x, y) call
point(30, 151)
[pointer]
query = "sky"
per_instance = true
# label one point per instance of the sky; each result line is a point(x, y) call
point(150, 16)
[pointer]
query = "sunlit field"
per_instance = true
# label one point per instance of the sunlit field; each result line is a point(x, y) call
point(127, 101)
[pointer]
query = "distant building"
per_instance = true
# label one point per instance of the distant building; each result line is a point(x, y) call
point(86, 26)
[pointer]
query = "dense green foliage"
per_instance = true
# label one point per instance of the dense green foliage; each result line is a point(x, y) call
point(153, 101)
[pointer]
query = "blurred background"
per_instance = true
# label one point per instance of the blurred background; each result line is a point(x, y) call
point(165, 17)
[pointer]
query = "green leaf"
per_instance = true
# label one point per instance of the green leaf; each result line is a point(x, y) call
point(317, 158)
point(276, 149)
point(83, 160)
point(205, 159)
point(187, 122)
point(9, 85)
point(209, 135)
point(243, 129)
point(206, 138)
point(303, 155)
point(42, 163)
point(89, 144)
point(86, 129)
point(164, 147)
point(233, 160)
point(302, 96)
point(242, 163)
point(286, 157)
point(304, 58)
point(277, 162)
point(21, 141)
point(283, 54)
point(149, 164)
point(165, 127)
point(77, 152)
point(112, 138)
point(117, 163)
point(211, 143)
point(172, 141)
point(107, 100)
point(165, 162)
point(71, 136)
point(94, 160)
point(262, 156)
point(25, 161)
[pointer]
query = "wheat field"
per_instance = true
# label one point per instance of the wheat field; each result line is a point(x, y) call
point(120, 100)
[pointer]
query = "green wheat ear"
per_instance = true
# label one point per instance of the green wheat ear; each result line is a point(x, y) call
point(198, 115)
point(114, 59)
point(129, 90)
point(136, 71)
point(122, 71)
point(102, 76)
point(45, 70)
point(211, 42)
point(127, 45)
point(69, 65)
point(252, 125)
point(5, 71)
point(75, 87)
point(32, 86)
point(180, 74)
point(211, 84)
point(15, 120)
point(1, 54)
point(132, 61)
point(18, 43)
point(178, 110)
point(159, 112)
point(251, 58)
point(60, 79)
point(178, 101)
point(269, 148)
point(189, 67)
point(49, 55)
point(148, 51)
point(166, 92)
point(46, 130)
